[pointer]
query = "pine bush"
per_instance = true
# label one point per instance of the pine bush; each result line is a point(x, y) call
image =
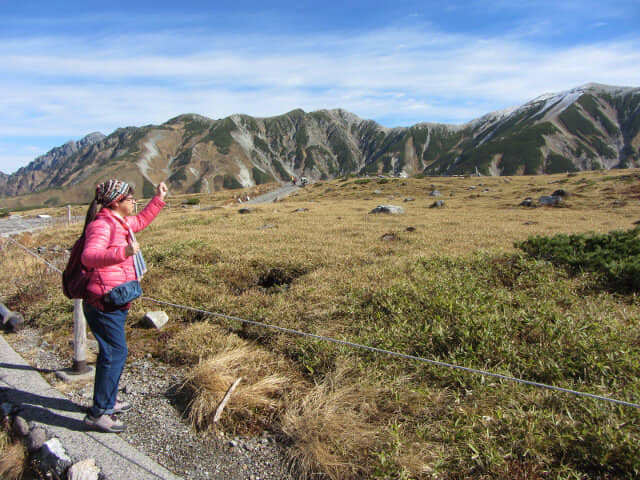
point(614, 257)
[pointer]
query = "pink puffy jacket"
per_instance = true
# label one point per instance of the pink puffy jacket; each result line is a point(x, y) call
point(106, 239)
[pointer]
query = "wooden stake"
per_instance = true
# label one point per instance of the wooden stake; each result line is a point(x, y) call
point(224, 401)
point(79, 339)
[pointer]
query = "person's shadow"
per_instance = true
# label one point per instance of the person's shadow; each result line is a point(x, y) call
point(39, 408)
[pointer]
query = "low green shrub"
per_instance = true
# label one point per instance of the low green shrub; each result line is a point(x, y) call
point(614, 257)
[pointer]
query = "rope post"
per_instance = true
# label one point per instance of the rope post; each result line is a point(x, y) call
point(79, 339)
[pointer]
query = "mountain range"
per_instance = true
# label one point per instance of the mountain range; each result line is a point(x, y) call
point(589, 127)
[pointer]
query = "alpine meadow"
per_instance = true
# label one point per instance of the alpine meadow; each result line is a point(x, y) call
point(478, 280)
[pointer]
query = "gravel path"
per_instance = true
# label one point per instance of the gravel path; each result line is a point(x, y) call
point(276, 194)
point(155, 425)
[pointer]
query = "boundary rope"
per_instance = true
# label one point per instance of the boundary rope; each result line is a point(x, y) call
point(369, 348)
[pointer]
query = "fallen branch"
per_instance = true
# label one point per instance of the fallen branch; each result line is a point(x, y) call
point(224, 401)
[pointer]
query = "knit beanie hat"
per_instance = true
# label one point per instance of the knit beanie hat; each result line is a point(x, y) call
point(111, 191)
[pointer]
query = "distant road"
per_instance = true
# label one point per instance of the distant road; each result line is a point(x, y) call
point(17, 224)
point(272, 195)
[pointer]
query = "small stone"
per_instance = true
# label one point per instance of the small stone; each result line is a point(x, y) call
point(84, 470)
point(411, 229)
point(52, 459)
point(36, 439)
point(409, 199)
point(437, 204)
point(435, 193)
point(157, 319)
point(246, 210)
point(20, 426)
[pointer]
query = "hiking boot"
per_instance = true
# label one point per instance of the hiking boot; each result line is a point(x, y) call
point(120, 407)
point(105, 423)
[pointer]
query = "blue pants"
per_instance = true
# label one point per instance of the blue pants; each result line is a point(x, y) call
point(108, 329)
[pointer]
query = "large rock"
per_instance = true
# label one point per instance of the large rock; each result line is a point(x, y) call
point(549, 200)
point(390, 209)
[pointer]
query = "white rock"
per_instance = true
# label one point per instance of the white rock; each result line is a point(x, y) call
point(156, 319)
point(392, 209)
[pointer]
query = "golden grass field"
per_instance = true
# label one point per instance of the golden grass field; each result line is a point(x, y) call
point(443, 283)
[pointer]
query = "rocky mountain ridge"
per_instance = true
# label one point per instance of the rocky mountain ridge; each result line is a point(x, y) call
point(589, 127)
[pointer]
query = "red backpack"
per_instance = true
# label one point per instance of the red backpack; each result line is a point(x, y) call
point(75, 276)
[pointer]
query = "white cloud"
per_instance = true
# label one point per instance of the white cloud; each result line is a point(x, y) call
point(408, 74)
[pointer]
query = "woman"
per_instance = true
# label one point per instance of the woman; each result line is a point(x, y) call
point(109, 253)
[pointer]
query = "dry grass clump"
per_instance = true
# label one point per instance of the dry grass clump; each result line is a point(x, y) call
point(350, 427)
point(256, 401)
point(331, 428)
point(198, 341)
point(13, 455)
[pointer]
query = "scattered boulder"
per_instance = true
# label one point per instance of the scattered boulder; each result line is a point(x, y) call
point(549, 200)
point(619, 203)
point(409, 199)
point(390, 209)
point(411, 229)
point(435, 193)
point(530, 223)
point(300, 210)
point(527, 202)
point(246, 210)
point(264, 227)
point(377, 192)
point(560, 193)
point(157, 319)
point(437, 204)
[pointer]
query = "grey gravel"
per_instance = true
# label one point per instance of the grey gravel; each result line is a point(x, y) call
point(156, 427)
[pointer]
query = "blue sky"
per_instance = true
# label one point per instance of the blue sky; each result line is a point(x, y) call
point(71, 68)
